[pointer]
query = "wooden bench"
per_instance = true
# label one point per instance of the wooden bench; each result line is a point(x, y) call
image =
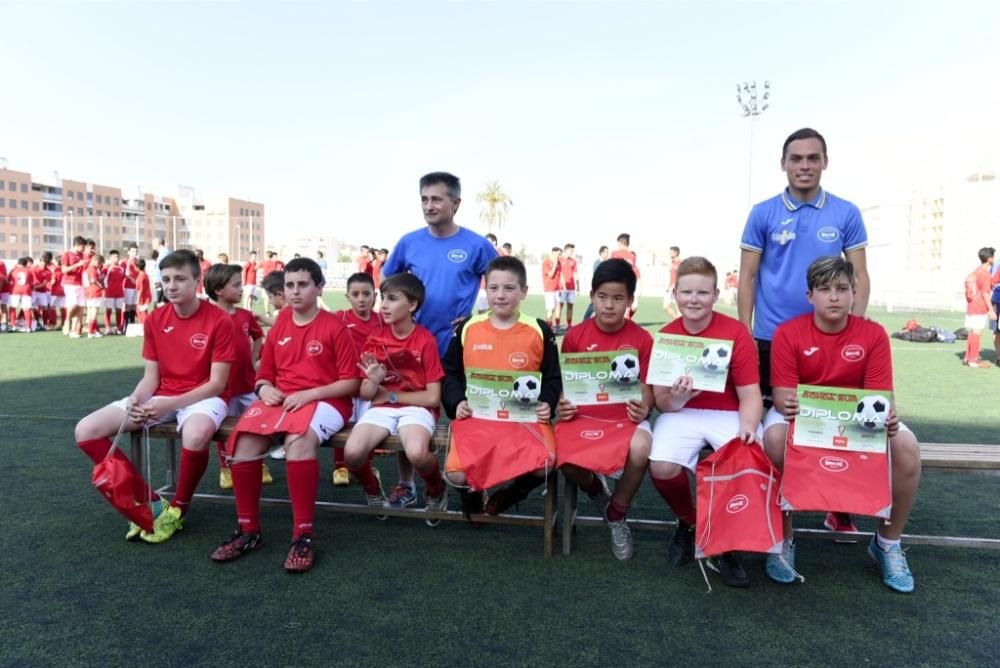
point(439, 443)
point(956, 456)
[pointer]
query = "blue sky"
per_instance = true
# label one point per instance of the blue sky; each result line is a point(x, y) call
point(596, 117)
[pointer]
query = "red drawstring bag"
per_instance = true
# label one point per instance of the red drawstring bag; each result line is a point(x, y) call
point(738, 502)
point(595, 442)
point(259, 418)
point(838, 480)
point(494, 452)
point(114, 478)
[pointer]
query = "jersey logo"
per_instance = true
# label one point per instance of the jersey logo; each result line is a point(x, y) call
point(592, 346)
point(828, 234)
point(808, 353)
point(314, 348)
point(246, 329)
point(852, 353)
point(199, 341)
point(483, 346)
point(167, 330)
point(283, 341)
point(458, 255)
point(518, 360)
point(783, 237)
point(786, 221)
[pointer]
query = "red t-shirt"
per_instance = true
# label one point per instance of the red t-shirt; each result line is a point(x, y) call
point(628, 256)
point(55, 282)
point(93, 283)
point(567, 267)
point(21, 279)
point(131, 271)
point(303, 357)
point(978, 305)
point(743, 370)
point(266, 267)
point(250, 273)
point(114, 279)
point(675, 264)
point(42, 277)
point(204, 266)
point(551, 283)
point(143, 294)
point(377, 272)
point(246, 330)
point(186, 348)
point(731, 282)
point(360, 329)
point(411, 363)
point(859, 357)
point(4, 287)
point(74, 276)
point(588, 337)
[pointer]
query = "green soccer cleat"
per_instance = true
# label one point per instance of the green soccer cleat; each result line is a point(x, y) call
point(166, 524)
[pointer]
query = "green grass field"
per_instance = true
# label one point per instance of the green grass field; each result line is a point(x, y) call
point(72, 592)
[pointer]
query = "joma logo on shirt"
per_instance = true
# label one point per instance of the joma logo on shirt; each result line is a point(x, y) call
point(483, 346)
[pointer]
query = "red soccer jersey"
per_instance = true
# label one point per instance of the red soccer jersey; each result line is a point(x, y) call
point(143, 294)
point(114, 279)
point(250, 273)
point(245, 332)
point(43, 275)
point(4, 287)
point(743, 370)
point(131, 271)
point(360, 329)
point(858, 357)
point(983, 281)
point(675, 264)
point(186, 348)
point(55, 280)
point(567, 268)
point(204, 266)
point(93, 283)
point(411, 363)
point(377, 272)
point(266, 267)
point(588, 337)
point(628, 256)
point(303, 357)
point(21, 279)
point(551, 283)
point(278, 265)
point(731, 282)
point(75, 276)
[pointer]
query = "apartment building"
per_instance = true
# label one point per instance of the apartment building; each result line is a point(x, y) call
point(224, 225)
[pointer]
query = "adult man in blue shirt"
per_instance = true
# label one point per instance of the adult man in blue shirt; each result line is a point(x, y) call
point(450, 260)
point(782, 237)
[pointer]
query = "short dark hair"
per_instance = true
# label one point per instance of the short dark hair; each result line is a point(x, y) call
point(113, 251)
point(360, 277)
point(625, 238)
point(306, 264)
point(200, 254)
point(407, 284)
point(556, 249)
point(154, 255)
point(573, 246)
point(828, 269)
point(46, 257)
point(511, 264)
point(601, 249)
point(217, 276)
point(985, 254)
point(491, 237)
point(91, 242)
point(274, 282)
point(615, 270)
point(449, 180)
point(141, 263)
point(182, 258)
point(79, 241)
point(132, 245)
point(676, 248)
point(804, 133)
point(506, 245)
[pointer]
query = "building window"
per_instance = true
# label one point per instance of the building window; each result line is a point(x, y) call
point(79, 210)
point(24, 204)
point(24, 187)
point(69, 194)
point(34, 206)
point(79, 195)
point(12, 186)
point(13, 238)
point(116, 201)
point(1, 201)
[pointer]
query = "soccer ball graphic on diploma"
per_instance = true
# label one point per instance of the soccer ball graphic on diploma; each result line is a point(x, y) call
point(526, 389)
point(715, 357)
point(625, 369)
point(872, 413)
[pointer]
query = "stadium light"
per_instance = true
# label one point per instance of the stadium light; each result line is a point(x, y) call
point(752, 104)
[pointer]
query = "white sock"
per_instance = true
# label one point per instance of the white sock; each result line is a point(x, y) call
point(884, 543)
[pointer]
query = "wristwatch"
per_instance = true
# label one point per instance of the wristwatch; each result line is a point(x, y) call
point(393, 398)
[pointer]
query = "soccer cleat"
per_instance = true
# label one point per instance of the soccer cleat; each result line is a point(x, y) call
point(602, 499)
point(166, 524)
point(301, 555)
point(681, 548)
point(436, 504)
point(503, 499)
point(377, 501)
point(895, 570)
point(95, 335)
point(781, 567)
point(621, 540)
point(278, 452)
point(225, 478)
point(265, 475)
point(841, 522)
point(731, 571)
point(75, 335)
point(402, 497)
point(341, 476)
point(238, 544)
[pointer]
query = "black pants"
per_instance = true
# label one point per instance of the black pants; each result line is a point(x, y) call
point(764, 360)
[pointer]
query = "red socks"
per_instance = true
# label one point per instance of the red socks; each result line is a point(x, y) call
point(303, 485)
point(617, 511)
point(677, 493)
point(246, 489)
point(338, 458)
point(433, 482)
point(972, 347)
point(97, 450)
point(193, 465)
point(366, 478)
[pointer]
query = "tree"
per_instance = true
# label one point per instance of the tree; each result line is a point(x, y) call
point(494, 206)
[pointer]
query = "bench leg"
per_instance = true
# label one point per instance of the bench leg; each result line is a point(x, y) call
point(172, 464)
point(135, 440)
point(569, 516)
point(551, 506)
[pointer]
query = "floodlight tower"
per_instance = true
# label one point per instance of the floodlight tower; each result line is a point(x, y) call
point(751, 107)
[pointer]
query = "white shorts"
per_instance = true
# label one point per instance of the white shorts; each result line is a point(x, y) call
point(482, 304)
point(976, 322)
point(74, 295)
point(241, 402)
point(213, 407)
point(130, 296)
point(361, 407)
point(5, 299)
point(773, 418)
point(250, 290)
point(551, 300)
point(679, 437)
point(391, 418)
point(21, 302)
point(95, 302)
point(567, 296)
point(326, 421)
point(57, 302)
point(41, 299)
point(114, 302)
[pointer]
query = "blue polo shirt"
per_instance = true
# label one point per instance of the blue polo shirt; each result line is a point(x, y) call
point(790, 235)
point(450, 269)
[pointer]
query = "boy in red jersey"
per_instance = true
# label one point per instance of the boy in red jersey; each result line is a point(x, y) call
point(307, 364)
point(623, 253)
point(250, 281)
point(831, 347)
point(114, 294)
point(979, 311)
point(570, 281)
point(551, 287)
point(402, 379)
point(93, 290)
point(223, 286)
point(131, 272)
point(204, 265)
point(57, 298)
point(143, 291)
point(691, 419)
point(502, 339)
point(22, 280)
point(4, 298)
point(362, 323)
point(613, 287)
point(73, 264)
point(187, 350)
point(41, 297)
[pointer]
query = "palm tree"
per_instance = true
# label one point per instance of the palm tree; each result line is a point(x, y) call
point(495, 206)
